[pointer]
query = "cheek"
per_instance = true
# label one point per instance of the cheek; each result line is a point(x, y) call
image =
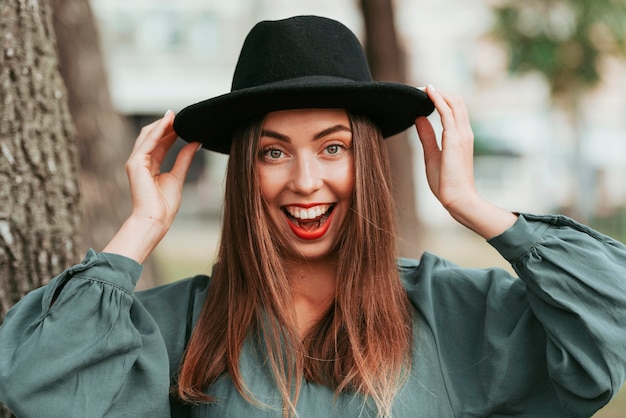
point(345, 182)
point(267, 184)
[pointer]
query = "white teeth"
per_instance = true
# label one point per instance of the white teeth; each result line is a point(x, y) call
point(310, 213)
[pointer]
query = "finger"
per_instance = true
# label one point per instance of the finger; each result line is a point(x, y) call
point(146, 131)
point(162, 147)
point(454, 118)
point(443, 107)
point(449, 103)
point(151, 147)
point(427, 135)
point(461, 127)
point(152, 158)
point(162, 128)
point(150, 134)
point(458, 107)
point(184, 159)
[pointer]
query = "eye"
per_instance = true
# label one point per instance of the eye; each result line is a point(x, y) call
point(272, 154)
point(333, 149)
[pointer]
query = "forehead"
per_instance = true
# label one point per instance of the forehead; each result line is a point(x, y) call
point(305, 118)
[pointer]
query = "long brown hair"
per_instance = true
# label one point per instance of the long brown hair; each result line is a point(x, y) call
point(363, 343)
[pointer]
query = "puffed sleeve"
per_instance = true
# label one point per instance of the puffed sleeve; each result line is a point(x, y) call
point(550, 342)
point(576, 281)
point(83, 346)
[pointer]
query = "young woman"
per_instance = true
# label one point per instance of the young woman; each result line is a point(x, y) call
point(308, 312)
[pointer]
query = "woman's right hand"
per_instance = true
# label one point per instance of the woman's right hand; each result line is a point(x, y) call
point(156, 196)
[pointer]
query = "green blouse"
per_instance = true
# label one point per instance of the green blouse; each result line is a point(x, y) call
point(552, 344)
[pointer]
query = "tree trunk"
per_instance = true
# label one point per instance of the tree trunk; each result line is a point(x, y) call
point(583, 200)
point(104, 137)
point(387, 62)
point(39, 194)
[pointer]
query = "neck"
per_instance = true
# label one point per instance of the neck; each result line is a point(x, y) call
point(313, 284)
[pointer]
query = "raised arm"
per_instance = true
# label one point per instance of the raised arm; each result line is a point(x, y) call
point(555, 337)
point(156, 196)
point(450, 170)
point(83, 345)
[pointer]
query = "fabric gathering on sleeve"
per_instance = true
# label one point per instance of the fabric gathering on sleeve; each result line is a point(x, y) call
point(551, 340)
point(576, 280)
point(93, 352)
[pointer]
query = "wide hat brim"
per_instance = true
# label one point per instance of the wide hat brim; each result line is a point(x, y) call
point(299, 63)
point(393, 107)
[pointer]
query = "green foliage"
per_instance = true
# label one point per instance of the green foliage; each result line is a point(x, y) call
point(565, 40)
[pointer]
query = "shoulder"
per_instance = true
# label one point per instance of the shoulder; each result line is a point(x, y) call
point(433, 271)
point(437, 286)
point(175, 301)
point(175, 307)
point(177, 290)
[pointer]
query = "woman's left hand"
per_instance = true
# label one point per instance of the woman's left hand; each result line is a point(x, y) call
point(450, 168)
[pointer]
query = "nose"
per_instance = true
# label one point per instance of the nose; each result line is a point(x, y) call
point(306, 175)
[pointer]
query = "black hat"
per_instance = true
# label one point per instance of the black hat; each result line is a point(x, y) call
point(297, 63)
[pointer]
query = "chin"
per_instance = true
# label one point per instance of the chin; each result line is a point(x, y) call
point(311, 252)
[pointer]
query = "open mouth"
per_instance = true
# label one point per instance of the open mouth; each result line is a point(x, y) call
point(309, 223)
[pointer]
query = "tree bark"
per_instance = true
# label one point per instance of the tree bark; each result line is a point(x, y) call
point(39, 194)
point(104, 137)
point(387, 63)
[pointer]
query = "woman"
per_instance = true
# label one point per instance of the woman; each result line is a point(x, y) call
point(308, 312)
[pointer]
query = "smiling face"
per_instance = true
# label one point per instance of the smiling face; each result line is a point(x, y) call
point(306, 174)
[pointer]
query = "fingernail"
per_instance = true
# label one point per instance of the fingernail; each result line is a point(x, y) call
point(167, 112)
point(423, 88)
point(431, 87)
point(199, 148)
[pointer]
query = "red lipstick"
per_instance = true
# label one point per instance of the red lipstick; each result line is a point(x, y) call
point(309, 234)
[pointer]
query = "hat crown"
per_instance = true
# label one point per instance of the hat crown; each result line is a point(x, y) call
point(302, 62)
point(301, 46)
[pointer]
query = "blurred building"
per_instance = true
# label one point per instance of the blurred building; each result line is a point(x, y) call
point(163, 54)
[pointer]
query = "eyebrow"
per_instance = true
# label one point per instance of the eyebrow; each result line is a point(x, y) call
point(321, 134)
